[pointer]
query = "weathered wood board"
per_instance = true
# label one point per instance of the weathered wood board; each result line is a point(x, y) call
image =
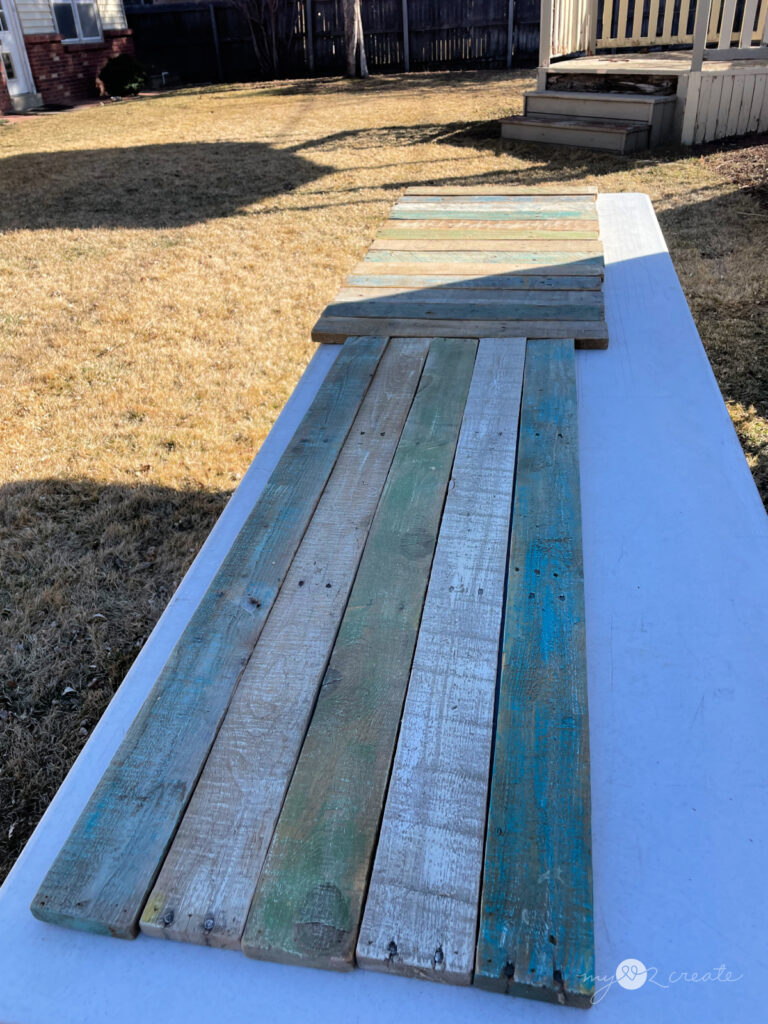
point(549, 299)
point(101, 878)
point(536, 925)
point(421, 911)
point(309, 899)
point(588, 333)
point(501, 309)
point(391, 277)
point(207, 882)
point(518, 191)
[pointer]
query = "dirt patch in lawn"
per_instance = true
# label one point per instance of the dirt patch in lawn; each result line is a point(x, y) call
point(162, 264)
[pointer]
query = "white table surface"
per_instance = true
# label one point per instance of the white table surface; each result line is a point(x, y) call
point(676, 569)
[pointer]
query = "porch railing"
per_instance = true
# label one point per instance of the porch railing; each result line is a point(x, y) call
point(711, 29)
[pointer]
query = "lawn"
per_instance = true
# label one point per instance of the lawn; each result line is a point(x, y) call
point(161, 266)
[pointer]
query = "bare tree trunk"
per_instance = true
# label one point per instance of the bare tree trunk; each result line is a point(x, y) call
point(353, 37)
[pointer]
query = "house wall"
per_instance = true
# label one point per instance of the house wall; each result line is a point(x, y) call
point(67, 73)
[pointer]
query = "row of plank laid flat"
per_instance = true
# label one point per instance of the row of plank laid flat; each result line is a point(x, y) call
point(207, 881)
point(421, 911)
point(498, 223)
point(493, 266)
point(502, 190)
point(536, 929)
point(477, 242)
point(548, 299)
point(497, 309)
point(308, 902)
point(332, 330)
point(449, 229)
point(101, 878)
point(391, 277)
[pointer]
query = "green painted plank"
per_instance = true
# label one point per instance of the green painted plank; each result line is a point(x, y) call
point(453, 212)
point(309, 899)
point(536, 929)
point(501, 281)
point(101, 878)
point(573, 261)
point(473, 235)
point(509, 310)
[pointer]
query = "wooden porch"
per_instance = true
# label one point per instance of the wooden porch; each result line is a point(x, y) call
point(632, 74)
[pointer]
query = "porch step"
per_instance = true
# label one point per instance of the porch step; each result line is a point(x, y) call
point(655, 111)
point(588, 132)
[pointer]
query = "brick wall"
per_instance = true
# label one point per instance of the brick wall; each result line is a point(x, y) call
point(67, 74)
point(5, 99)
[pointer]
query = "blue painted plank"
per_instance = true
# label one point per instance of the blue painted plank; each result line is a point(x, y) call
point(101, 878)
point(536, 928)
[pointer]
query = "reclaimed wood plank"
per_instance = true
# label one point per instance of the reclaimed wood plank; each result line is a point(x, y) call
point(421, 911)
point(421, 229)
point(525, 217)
point(501, 190)
point(536, 931)
point(507, 309)
point(486, 262)
point(392, 277)
point(206, 884)
point(101, 878)
point(550, 298)
point(588, 334)
point(455, 244)
point(308, 902)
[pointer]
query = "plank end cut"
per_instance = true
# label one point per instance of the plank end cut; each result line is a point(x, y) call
point(103, 874)
point(536, 934)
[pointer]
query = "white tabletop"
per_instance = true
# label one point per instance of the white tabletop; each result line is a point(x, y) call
point(676, 560)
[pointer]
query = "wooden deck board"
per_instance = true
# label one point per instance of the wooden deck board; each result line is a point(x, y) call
point(536, 931)
point(588, 334)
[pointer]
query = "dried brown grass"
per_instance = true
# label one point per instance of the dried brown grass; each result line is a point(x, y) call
point(162, 264)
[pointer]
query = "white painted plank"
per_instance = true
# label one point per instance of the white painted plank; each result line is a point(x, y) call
point(742, 125)
point(759, 97)
point(748, 23)
point(734, 109)
point(713, 107)
point(421, 914)
point(724, 107)
point(207, 881)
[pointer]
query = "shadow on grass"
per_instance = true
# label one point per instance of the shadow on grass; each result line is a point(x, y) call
point(85, 572)
point(162, 186)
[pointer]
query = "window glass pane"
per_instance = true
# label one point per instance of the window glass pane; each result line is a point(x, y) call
point(3, 22)
point(10, 72)
point(65, 20)
point(89, 20)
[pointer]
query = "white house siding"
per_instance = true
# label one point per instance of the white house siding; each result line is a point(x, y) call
point(112, 14)
point(36, 17)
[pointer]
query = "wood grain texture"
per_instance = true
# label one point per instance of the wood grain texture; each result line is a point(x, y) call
point(501, 190)
point(391, 277)
point(493, 214)
point(101, 878)
point(436, 234)
point(536, 931)
point(500, 309)
point(484, 263)
point(334, 330)
point(455, 243)
point(421, 911)
point(551, 298)
point(207, 881)
point(308, 902)
point(495, 228)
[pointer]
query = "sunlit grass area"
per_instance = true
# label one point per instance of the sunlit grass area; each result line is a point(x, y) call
point(162, 262)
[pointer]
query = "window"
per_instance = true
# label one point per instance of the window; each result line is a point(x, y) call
point(10, 71)
point(77, 19)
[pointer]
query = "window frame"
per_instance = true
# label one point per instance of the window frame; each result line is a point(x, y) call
point(79, 38)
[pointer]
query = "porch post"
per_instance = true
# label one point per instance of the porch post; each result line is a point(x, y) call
point(545, 33)
point(700, 29)
point(594, 10)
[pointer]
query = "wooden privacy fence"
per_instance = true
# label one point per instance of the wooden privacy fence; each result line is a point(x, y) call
point(584, 26)
point(212, 41)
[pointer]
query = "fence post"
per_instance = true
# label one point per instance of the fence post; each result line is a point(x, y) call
point(594, 11)
point(216, 47)
point(700, 29)
point(406, 37)
point(510, 30)
point(310, 36)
